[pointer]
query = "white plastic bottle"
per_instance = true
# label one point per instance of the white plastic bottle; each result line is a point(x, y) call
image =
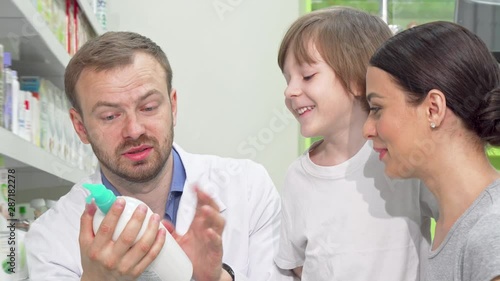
point(7, 98)
point(16, 96)
point(2, 86)
point(39, 206)
point(100, 10)
point(171, 264)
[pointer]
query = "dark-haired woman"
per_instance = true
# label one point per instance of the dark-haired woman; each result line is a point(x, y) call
point(434, 95)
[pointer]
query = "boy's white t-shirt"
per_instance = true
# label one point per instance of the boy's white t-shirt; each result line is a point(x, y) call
point(351, 222)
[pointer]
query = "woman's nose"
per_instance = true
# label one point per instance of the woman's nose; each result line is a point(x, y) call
point(369, 131)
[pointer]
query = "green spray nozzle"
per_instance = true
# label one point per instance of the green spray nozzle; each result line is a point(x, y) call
point(103, 197)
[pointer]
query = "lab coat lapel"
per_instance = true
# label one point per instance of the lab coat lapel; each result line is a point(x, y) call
point(197, 173)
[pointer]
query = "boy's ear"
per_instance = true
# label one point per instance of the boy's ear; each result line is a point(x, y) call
point(356, 90)
point(435, 107)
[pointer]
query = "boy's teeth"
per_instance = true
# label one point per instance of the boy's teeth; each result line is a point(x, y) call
point(304, 109)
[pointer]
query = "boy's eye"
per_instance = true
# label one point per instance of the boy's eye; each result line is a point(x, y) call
point(307, 78)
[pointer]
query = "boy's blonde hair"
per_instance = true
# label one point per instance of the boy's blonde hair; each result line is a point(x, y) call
point(345, 38)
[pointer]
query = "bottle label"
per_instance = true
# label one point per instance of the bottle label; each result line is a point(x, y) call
point(149, 275)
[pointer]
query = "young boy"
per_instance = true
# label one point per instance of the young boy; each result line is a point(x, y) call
point(342, 218)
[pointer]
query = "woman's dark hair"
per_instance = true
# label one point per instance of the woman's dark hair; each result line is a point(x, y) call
point(447, 57)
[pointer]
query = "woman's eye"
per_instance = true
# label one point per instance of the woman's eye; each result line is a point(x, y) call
point(374, 109)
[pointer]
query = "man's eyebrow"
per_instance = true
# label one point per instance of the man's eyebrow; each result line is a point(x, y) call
point(372, 95)
point(150, 93)
point(104, 103)
point(117, 105)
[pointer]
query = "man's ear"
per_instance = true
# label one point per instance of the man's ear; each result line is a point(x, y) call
point(77, 121)
point(173, 105)
point(435, 107)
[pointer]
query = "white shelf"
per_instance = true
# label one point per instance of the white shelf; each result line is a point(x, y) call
point(29, 158)
point(88, 11)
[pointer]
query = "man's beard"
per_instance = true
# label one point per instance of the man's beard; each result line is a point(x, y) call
point(140, 171)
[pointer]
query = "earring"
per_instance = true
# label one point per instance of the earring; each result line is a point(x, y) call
point(433, 125)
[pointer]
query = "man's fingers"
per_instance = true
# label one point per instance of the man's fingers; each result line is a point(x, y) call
point(212, 219)
point(214, 238)
point(153, 252)
point(131, 230)
point(141, 250)
point(143, 246)
point(207, 212)
point(168, 225)
point(205, 199)
point(86, 225)
point(107, 228)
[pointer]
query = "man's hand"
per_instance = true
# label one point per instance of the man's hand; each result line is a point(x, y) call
point(203, 241)
point(104, 259)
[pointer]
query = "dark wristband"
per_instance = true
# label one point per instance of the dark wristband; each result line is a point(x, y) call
point(229, 270)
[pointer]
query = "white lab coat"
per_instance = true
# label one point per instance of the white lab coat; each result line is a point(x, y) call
point(243, 190)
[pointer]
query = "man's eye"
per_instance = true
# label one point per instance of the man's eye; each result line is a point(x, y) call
point(109, 117)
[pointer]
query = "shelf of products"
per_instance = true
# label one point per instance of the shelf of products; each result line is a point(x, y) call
point(34, 47)
point(41, 36)
point(89, 12)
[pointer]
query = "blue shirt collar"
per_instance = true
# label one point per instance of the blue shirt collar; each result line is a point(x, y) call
point(179, 176)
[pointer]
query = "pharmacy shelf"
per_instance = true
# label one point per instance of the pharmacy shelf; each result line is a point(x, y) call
point(27, 158)
point(35, 48)
point(36, 51)
point(89, 13)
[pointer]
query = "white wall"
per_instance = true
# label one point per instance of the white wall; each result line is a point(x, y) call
point(230, 89)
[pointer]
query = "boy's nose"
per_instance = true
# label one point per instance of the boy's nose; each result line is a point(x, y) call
point(292, 91)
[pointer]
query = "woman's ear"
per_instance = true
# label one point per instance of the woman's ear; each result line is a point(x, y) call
point(435, 107)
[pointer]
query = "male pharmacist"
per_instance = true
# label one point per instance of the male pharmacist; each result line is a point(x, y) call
point(123, 105)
